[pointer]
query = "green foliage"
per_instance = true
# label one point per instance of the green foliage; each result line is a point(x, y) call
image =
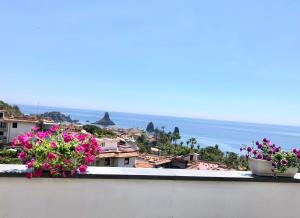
point(8, 153)
point(9, 160)
point(150, 127)
point(98, 132)
point(11, 110)
point(176, 131)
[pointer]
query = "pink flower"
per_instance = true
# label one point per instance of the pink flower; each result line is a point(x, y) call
point(53, 172)
point(23, 139)
point(29, 175)
point(30, 134)
point(35, 128)
point(58, 167)
point(89, 159)
point(40, 135)
point(30, 163)
point(73, 172)
point(53, 145)
point(298, 155)
point(22, 155)
point(255, 152)
point(54, 128)
point(28, 145)
point(67, 162)
point(51, 156)
point(46, 166)
point(67, 138)
point(81, 137)
point(82, 168)
point(79, 149)
point(295, 150)
point(14, 142)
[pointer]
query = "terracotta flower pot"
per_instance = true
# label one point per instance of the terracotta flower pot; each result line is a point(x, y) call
point(264, 168)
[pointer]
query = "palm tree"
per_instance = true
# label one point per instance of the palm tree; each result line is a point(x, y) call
point(192, 141)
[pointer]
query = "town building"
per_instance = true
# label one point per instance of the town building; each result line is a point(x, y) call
point(11, 127)
point(117, 153)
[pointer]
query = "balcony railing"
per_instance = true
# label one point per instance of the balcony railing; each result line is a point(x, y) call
point(136, 193)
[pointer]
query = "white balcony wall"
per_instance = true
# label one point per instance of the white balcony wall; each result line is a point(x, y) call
point(131, 198)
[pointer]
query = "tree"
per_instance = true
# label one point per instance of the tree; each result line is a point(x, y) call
point(150, 127)
point(176, 131)
point(192, 142)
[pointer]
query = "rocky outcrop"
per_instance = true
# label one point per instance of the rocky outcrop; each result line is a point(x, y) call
point(105, 121)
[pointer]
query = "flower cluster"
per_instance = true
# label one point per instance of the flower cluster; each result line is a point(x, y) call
point(56, 151)
point(265, 150)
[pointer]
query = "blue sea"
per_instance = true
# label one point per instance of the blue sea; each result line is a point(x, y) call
point(228, 135)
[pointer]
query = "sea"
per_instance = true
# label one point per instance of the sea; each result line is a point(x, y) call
point(230, 136)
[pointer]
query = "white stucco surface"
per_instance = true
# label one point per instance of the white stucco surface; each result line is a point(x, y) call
point(131, 198)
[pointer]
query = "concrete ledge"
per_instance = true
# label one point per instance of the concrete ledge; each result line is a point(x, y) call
point(11, 170)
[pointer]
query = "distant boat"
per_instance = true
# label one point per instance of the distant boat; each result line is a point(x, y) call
point(105, 121)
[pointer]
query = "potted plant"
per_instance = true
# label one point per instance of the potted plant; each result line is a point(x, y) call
point(56, 151)
point(267, 159)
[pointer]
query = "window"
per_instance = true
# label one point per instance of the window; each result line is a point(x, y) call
point(14, 125)
point(1, 115)
point(107, 162)
point(126, 161)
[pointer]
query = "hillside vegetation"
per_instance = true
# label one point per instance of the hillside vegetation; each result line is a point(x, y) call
point(11, 110)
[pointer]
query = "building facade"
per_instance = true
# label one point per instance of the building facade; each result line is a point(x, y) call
point(11, 127)
point(117, 153)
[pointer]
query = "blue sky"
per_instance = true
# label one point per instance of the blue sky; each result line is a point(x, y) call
point(230, 60)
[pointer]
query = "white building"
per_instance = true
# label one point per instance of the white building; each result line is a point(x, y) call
point(117, 153)
point(11, 127)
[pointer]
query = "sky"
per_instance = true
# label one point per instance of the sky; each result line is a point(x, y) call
point(229, 60)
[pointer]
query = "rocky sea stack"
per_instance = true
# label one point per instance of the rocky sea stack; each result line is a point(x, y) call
point(105, 121)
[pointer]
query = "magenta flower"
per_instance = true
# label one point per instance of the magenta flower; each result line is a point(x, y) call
point(295, 150)
point(284, 162)
point(298, 155)
point(79, 149)
point(40, 135)
point(51, 156)
point(23, 139)
point(259, 156)
point(30, 134)
point(268, 158)
point(30, 163)
point(82, 168)
point(259, 146)
point(249, 149)
point(241, 149)
point(53, 145)
point(54, 128)
point(255, 152)
point(81, 137)
point(67, 138)
point(89, 159)
point(22, 155)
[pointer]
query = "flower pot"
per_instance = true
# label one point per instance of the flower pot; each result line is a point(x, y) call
point(264, 168)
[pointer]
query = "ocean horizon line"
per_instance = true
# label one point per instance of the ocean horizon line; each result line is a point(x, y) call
point(161, 115)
